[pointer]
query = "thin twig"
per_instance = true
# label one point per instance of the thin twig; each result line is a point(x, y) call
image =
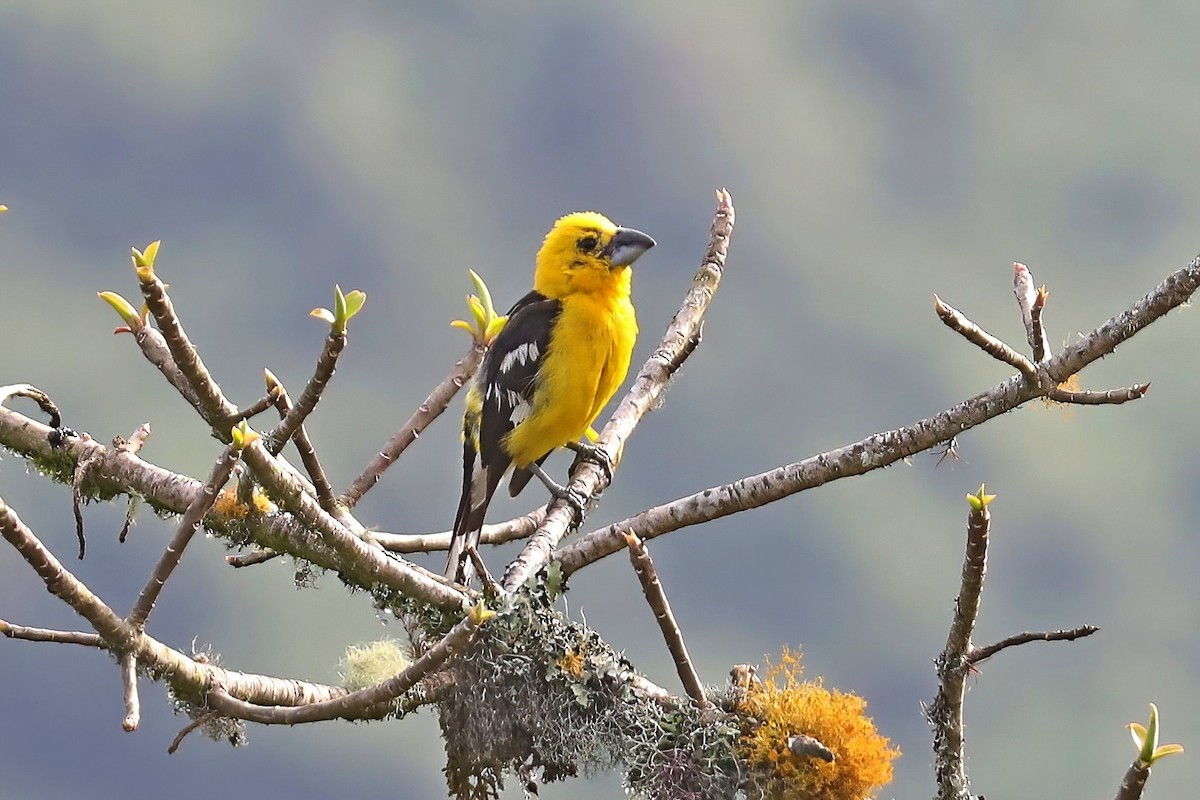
point(199, 722)
point(489, 583)
point(13, 631)
point(958, 322)
point(1111, 397)
point(1134, 782)
point(945, 713)
point(259, 556)
point(656, 596)
point(335, 342)
point(83, 471)
point(136, 440)
point(1041, 343)
point(36, 395)
point(978, 654)
point(426, 413)
point(1032, 302)
point(497, 533)
point(354, 705)
point(304, 445)
point(154, 347)
point(254, 409)
point(191, 520)
point(210, 400)
point(679, 340)
point(133, 707)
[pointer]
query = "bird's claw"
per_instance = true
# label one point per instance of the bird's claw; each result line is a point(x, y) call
point(574, 498)
point(596, 455)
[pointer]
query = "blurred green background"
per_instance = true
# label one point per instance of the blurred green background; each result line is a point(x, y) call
point(877, 153)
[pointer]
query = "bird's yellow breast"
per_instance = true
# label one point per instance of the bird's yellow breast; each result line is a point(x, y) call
point(587, 361)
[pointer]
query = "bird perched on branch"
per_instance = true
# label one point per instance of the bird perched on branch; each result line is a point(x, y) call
point(551, 369)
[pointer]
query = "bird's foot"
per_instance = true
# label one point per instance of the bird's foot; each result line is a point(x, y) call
point(594, 454)
point(574, 498)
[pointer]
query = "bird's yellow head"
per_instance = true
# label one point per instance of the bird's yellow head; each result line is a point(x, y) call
point(586, 252)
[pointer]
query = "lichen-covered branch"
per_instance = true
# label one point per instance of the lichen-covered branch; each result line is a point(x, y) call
point(374, 701)
point(122, 472)
point(187, 677)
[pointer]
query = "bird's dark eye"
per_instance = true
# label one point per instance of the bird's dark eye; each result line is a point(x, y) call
point(587, 244)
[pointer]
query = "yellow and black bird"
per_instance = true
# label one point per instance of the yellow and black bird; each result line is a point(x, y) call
point(551, 369)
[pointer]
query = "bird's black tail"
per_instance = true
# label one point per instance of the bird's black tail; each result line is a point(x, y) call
point(479, 484)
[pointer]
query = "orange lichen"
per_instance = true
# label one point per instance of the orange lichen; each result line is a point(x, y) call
point(571, 663)
point(783, 706)
point(228, 505)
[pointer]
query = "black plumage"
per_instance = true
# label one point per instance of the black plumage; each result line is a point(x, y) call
point(505, 385)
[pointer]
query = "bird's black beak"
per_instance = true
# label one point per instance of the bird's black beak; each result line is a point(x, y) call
point(626, 245)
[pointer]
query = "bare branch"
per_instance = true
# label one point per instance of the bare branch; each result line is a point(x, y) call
point(1111, 397)
point(254, 409)
point(426, 413)
point(308, 454)
point(656, 596)
point(187, 675)
point(882, 449)
point(1134, 783)
point(978, 654)
point(679, 340)
point(133, 707)
point(36, 395)
point(497, 533)
point(957, 321)
point(46, 635)
point(209, 400)
point(335, 342)
point(254, 557)
point(199, 722)
point(945, 713)
point(154, 347)
point(1032, 302)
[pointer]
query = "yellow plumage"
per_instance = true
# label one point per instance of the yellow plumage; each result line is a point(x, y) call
point(555, 364)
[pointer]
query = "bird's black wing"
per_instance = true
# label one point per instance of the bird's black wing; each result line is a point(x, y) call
point(511, 373)
point(506, 382)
